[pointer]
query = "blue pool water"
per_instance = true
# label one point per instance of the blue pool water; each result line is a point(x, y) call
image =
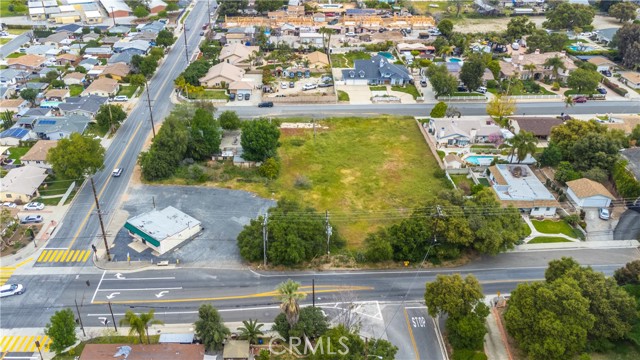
point(580, 48)
point(454, 60)
point(479, 159)
point(386, 54)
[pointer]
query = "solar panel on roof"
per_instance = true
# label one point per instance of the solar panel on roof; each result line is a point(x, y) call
point(47, 122)
point(15, 132)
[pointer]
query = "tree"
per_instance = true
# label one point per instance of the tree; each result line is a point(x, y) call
point(312, 323)
point(629, 274)
point(205, 136)
point(595, 151)
point(167, 150)
point(538, 319)
point(566, 172)
point(439, 110)
point(555, 63)
point(110, 116)
point(229, 120)
point(76, 156)
point(467, 332)
point(29, 94)
point(210, 328)
point(50, 76)
point(522, 144)
point(541, 40)
point(597, 175)
point(453, 295)
point(326, 37)
point(270, 168)
point(551, 156)
point(288, 296)
point(62, 330)
point(165, 38)
point(471, 73)
point(148, 319)
point(259, 140)
point(148, 65)
point(232, 7)
point(339, 343)
point(500, 107)
point(251, 331)
point(172, 6)
point(518, 27)
point(494, 66)
point(567, 16)
point(140, 12)
point(445, 27)
point(378, 248)
point(7, 119)
point(443, 83)
point(623, 11)
point(262, 6)
point(584, 81)
point(567, 134)
point(627, 39)
point(135, 324)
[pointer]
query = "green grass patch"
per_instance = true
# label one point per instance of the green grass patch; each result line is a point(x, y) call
point(15, 55)
point(466, 94)
point(211, 94)
point(547, 239)
point(343, 96)
point(184, 17)
point(408, 89)
point(75, 90)
point(424, 7)
point(17, 152)
point(474, 147)
point(484, 181)
point(127, 90)
point(441, 154)
point(4, 40)
point(356, 167)
point(94, 130)
point(624, 350)
point(346, 60)
point(17, 10)
point(54, 186)
point(378, 88)
point(554, 227)
point(463, 183)
point(76, 351)
point(16, 31)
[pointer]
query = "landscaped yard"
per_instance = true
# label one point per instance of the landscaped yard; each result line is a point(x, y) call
point(555, 227)
point(409, 89)
point(346, 60)
point(462, 183)
point(211, 94)
point(4, 40)
point(17, 11)
point(15, 55)
point(547, 239)
point(343, 96)
point(127, 91)
point(17, 152)
point(361, 171)
point(75, 90)
point(378, 88)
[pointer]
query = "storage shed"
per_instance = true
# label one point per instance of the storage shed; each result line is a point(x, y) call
point(587, 193)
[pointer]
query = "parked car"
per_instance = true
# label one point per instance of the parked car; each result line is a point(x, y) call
point(34, 206)
point(266, 104)
point(482, 90)
point(604, 214)
point(602, 90)
point(283, 85)
point(606, 73)
point(201, 33)
point(116, 172)
point(350, 33)
point(232, 97)
point(462, 88)
point(423, 82)
point(31, 219)
point(323, 85)
point(579, 99)
point(121, 98)
point(11, 289)
point(291, 85)
point(309, 86)
point(9, 205)
point(247, 96)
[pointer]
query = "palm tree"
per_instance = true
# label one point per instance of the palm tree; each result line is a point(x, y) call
point(326, 38)
point(531, 68)
point(251, 330)
point(523, 143)
point(149, 319)
point(288, 296)
point(556, 64)
point(568, 101)
point(445, 51)
point(136, 326)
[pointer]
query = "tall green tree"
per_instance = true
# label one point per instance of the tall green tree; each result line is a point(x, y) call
point(522, 144)
point(110, 116)
point(567, 134)
point(62, 330)
point(567, 16)
point(135, 324)
point(289, 295)
point(519, 26)
point(551, 155)
point(471, 73)
point(29, 94)
point(140, 11)
point(7, 119)
point(76, 157)
point(251, 330)
point(584, 81)
point(259, 140)
point(339, 343)
point(148, 319)
point(210, 328)
point(443, 83)
point(629, 274)
point(312, 323)
point(623, 11)
point(262, 6)
point(167, 150)
point(445, 26)
point(500, 107)
point(165, 38)
point(556, 64)
point(595, 151)
point(229, 120)
point(205, 136)
point(627, 39)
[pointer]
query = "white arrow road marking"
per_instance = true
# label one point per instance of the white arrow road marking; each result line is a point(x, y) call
point(161, 294)
point(144, 289)
point(112, 295)
point(119, 276)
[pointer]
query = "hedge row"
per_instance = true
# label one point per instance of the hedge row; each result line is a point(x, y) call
point(626, 184)
point(615, 87)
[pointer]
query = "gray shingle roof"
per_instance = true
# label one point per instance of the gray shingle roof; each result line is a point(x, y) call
point(70, 124)
point(89, 103)
point(378, 67)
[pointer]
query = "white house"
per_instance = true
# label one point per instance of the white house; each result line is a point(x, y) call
point(517, 186)
point(37, 155)
point(463, 132)
point(452, 161)
point(587, 193)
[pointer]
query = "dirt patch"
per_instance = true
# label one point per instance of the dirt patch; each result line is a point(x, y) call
point(483, 25)
point(20, 238)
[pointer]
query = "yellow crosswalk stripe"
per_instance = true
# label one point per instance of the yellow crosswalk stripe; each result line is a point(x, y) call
point(76, 256)
point(12, 343)
point(68, 257)
point(49, 253)
point(61, 255)
point(87, 253)
point(64, 255)
point(42, 255)
point(2, 342)
point(23, 343)
point(58, 255)
point(32, 342)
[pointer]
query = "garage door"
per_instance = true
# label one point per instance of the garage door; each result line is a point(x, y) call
point(594, 202)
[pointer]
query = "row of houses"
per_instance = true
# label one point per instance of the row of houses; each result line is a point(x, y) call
point(88, 11)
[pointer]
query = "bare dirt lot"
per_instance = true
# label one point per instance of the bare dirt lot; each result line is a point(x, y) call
point(500, 24)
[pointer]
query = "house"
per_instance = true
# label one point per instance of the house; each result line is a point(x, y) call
point(124, 57)
point(221, 74)
point(93, 17)
point(120, 30)
point(539, 126)
point(55, 39)
point(116, 71)
point(72, 28)
point(237, 54)
point(60, 127)
point(318, 60)
point(376, 71)
point(74, 78)
point(631, 79)
point(422, 48)
point(152, 27)
point(86, 105)
point(241, 87)
point(586, 193)
point(155, 6)
point(21, 184)
point(56, 94)
point(452, 161)
point(110, 40)
point(116, 8)
point(516, 66)
point(141, 47)
point(15, 105)
point(463, 132)
point(36, 112)
point(37, 155)
point(318, 17)
point(312, 38)
point(68, 15)
point(102, 87)
point(37, 14)
point(166, 351)
point(602, 63)
point(89, 63)
point(163, 230)
point(236, 350)
point(517, 186)
point(9, 77)
point(606, 35)
point(13, 136)
point(44, 50)
point(67, 58)
point(240, 35)
point(102, 52)
point(31, 63)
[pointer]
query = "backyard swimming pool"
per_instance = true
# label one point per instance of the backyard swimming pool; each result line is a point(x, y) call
point(454, 60)
point(479, 159)
point(580, 48)
point(387, 55)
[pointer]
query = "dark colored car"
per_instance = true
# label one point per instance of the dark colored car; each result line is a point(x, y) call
point(462, 88)
point(322, 85)
point(602, 90)
point(606, 73)
point(580, 99)
point(266, 104)
point(232, 97)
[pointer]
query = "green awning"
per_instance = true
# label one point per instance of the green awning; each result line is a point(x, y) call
point(142, 234)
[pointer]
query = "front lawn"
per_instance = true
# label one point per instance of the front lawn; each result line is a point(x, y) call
point(343, 96)
point(127, 91)
point(4, 40)
point(547, 239)
point(17, 152)
point(211, 94)
point(464, 93)
point(554, 227)
point(356, 169)
point(346, 60)
point(73, 353)
point(15, 55)
point(17, 10)
point(75, 90)
point(378, 88)
point(409, 89)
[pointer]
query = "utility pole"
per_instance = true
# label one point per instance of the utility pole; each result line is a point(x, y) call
point(153, 127)
point(113, 15)
point(104, 235)
point(110, 119)
point(209, 15)
point(79, 318)
point(329, 230)
point(264, 238)
point(313, 292)
point(186, 50)
point(112, 317)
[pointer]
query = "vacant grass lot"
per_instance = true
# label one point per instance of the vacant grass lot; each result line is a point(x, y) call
point(127, 91)
point(555, 227)
point(366, 173)
point(211, 94)
point(346, 60)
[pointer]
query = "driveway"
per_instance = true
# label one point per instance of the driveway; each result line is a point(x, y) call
point(628, 227)
point(223, 214)
point(358, 94)
point(598, 229)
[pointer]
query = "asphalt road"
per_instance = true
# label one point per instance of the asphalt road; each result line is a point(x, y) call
point(79, 228)
point(527, 108)
point(14, 44)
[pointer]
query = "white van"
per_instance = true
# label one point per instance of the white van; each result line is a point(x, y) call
point(11, 289)
point(482, 90)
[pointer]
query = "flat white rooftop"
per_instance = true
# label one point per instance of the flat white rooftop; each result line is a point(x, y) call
point(162, 224)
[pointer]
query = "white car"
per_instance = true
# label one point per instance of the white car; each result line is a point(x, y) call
point(309, 86)
point(604, 214)
point(116, 172)
point(284, 85)
point(9, 205)
point(11, 289)
point(121, 98)
point(34, 206)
